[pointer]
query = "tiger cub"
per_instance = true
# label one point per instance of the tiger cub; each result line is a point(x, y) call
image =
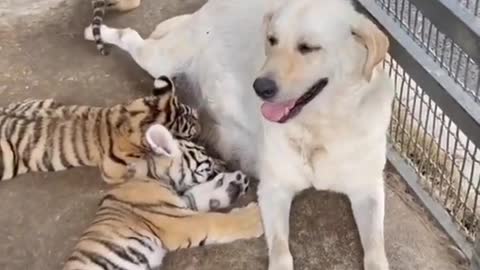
point(42, 135)
point(99, 9)
point(138, 222)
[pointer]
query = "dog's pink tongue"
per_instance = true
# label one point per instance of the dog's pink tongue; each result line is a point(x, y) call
point(276, 111)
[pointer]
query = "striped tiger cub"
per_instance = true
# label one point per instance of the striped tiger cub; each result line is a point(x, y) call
point(42, 135)
point(138, 222)
point(99, 9)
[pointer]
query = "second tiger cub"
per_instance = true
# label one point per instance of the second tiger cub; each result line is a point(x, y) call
point(42, 135)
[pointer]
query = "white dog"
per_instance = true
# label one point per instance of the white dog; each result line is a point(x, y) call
point(317, 113)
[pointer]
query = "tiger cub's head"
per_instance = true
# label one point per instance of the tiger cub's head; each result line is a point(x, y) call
point(164, 108)
point(203, 181)
point(182, 162)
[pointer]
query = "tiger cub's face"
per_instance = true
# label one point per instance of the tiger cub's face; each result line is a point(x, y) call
point(195, 165)
point(163, 108)
point(182, 162)
point(180, 119)
point(185, 123)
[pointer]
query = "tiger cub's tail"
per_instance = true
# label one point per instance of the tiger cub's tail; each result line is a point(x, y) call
point(99, 8)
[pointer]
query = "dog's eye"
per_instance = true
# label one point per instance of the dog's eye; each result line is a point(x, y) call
point(304, 48)
point(272, 40)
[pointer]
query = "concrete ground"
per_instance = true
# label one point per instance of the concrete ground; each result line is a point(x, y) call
point(43, 54)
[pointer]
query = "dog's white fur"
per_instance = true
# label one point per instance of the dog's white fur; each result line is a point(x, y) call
point(337, 142)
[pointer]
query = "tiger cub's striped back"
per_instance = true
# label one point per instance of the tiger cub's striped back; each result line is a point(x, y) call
point(42, 135)
point(29, 107)
point(140, 221)
point(99, 9)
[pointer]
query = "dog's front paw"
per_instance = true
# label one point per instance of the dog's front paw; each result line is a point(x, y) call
point(280, 257)
point(376, 262)
point(88, 33)
point(285, 262)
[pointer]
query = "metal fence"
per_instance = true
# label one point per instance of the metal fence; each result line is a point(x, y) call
point(472, 6)
point(434, 134)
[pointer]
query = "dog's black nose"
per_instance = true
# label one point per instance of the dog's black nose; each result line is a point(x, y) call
point(265, 88)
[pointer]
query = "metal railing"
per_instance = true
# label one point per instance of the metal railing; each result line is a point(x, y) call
point(434, 134)
point(472, 6)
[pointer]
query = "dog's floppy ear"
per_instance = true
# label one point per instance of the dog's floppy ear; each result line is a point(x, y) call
point(374, 40)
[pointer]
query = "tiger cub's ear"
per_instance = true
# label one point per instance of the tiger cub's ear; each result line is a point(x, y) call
point(161, 141)
point(162, 85)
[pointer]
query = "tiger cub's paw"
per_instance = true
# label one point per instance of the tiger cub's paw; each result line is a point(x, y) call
point(250, 220)
point(217, 193)
point(237, 184)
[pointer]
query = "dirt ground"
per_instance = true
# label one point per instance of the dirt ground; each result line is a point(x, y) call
point(43, 55)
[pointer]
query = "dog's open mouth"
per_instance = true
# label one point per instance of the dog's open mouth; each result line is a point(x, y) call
point(281, 112)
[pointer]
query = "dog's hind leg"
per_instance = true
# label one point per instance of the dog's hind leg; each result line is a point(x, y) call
point(127, 38)
point(368, 209)
point(168, 25)
point(167, 56)
point(123, 5)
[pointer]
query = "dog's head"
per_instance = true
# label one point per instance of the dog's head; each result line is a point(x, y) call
point(315, 49)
